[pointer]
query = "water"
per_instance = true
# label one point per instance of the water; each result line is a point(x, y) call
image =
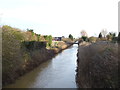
point(56, 73)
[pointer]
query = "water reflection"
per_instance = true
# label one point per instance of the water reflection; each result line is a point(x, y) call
point(56, 73)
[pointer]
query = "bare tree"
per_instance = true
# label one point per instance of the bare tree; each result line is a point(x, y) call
point(104, 32)
point(83, 33)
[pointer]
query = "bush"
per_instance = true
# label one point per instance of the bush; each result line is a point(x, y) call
point(118, 37)
point(30, 36)
point(11, 52)
point(92, 39)
point(49, 40)
point(84, 38)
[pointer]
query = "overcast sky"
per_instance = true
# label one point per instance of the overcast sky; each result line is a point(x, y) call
point(61, 17)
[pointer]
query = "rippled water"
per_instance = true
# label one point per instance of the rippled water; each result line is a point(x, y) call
point(56, 73)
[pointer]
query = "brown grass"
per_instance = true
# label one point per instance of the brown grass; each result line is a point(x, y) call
point(98, 65)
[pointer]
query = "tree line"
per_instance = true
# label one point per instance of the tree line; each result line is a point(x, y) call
point(103, 35)
point(47, 38)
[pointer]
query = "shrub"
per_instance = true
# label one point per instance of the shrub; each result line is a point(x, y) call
point(49, 40)
point(92, 39)
point(119, 37)
point(70, 36)
point(84, 38)
point(98, 65)
point(11, 52)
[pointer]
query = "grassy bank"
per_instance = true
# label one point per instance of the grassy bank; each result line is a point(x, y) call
point(58, 46)
point(97, 65)
point(22, 51)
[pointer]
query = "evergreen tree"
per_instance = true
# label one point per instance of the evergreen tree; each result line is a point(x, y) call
point(114, 37)
point(119, 37)
point(84, 38)
point(70, 36)
point(100, 35)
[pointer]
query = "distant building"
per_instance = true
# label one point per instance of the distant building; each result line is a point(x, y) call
point(57, 38)
point(63, 36)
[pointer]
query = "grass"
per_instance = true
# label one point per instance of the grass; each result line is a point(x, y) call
point(98, 65)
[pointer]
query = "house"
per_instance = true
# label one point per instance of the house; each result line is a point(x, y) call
point(57, 38)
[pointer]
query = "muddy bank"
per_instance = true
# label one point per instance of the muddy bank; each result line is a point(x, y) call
point(97, 65)
point(32, 55)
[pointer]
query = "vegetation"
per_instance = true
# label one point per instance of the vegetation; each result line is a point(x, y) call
point(99, 67)
point(67, 40)
point(119, 37)
point(84, 35)
point(48, 38)
point(12, 58)
point(84, 38)
point(30, 30)
point(21, 52)
point(100, 35)
point(71, 37)
point(92, 39)
point(111, 36)
point(38, 37)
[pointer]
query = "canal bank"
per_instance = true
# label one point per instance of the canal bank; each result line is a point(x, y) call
point(58, 72)
point(97, 65)
point(22, 51)
point(34, 53)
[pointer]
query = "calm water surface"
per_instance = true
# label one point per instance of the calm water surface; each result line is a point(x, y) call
point(56, 73)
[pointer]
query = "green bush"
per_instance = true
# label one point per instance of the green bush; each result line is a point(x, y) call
point(38, 37)
point(49, 40)
point(84, 38)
